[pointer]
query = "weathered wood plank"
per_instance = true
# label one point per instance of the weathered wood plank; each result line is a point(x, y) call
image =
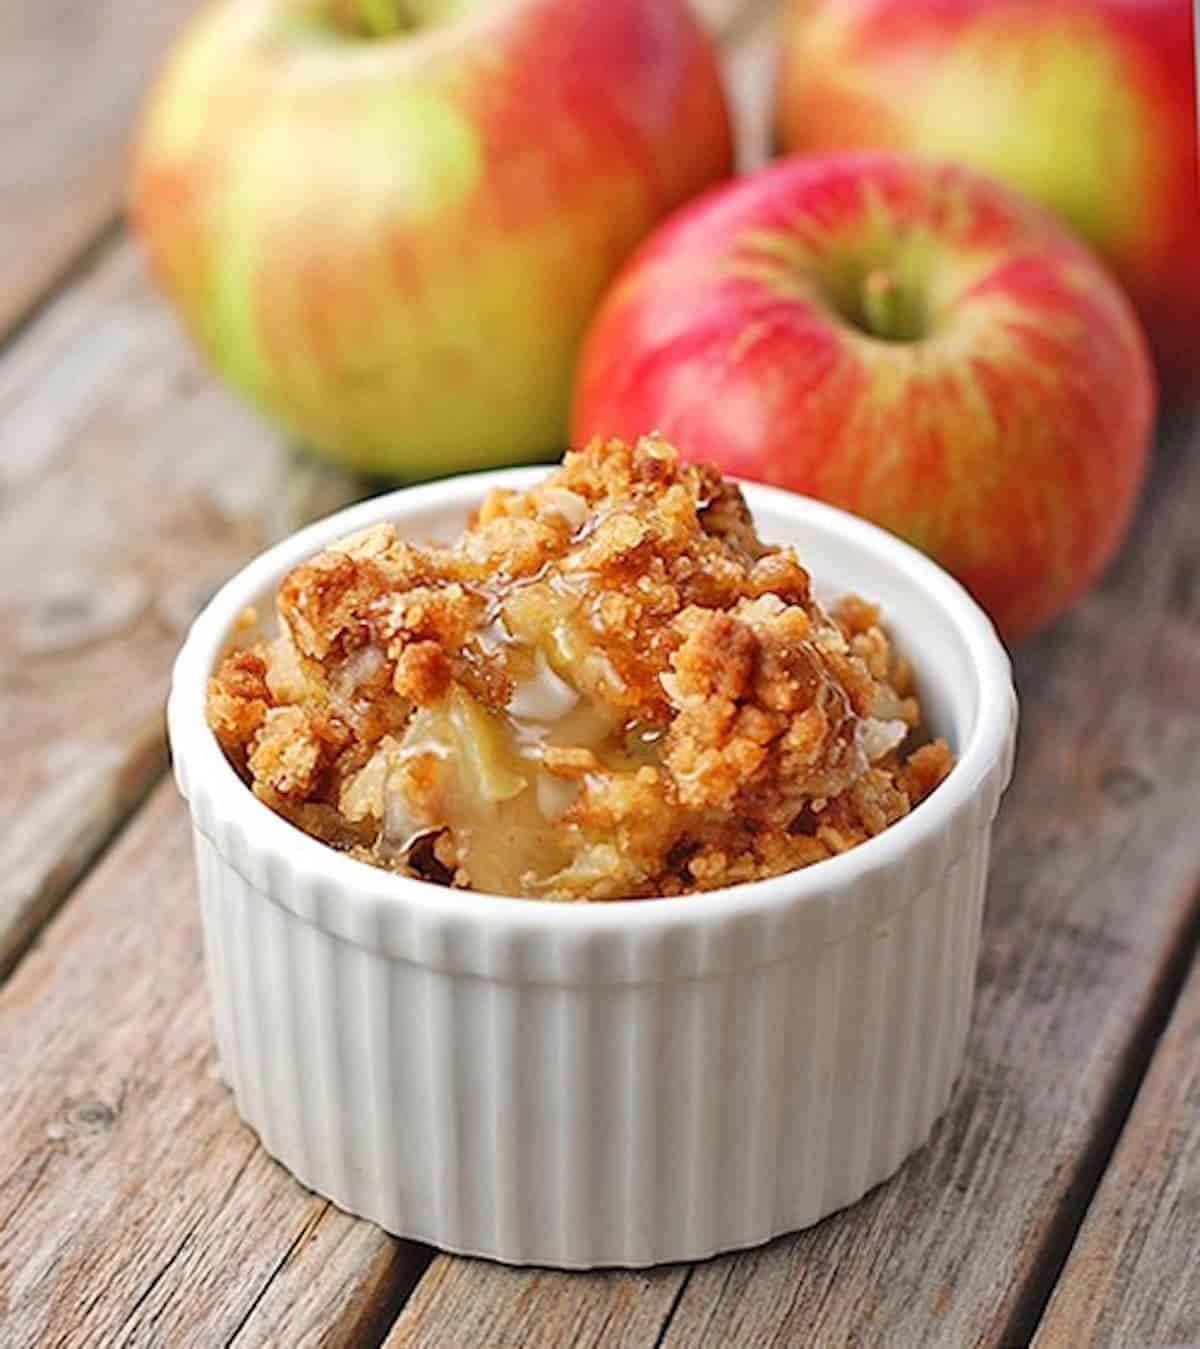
point(1132, 1274)
point(472, 1302)
point(1094, 881)
point(134, 1206)
point(71, 79)
point(130, 485)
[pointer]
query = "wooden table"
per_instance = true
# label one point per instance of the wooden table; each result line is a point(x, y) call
point(1058, 1201)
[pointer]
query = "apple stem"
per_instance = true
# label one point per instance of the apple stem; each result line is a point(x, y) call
point(885, 307)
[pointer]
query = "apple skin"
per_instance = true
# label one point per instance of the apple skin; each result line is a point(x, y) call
point(392, 247)
point(1001, 422)
point(1088, 106)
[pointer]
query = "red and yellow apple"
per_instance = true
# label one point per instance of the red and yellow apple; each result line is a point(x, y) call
point(1088, 106)
point(387, 222)
point(907, 340)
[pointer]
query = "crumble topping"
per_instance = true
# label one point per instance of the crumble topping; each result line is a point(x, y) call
point(608, 687)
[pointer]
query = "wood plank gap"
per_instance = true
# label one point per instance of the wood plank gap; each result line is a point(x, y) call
point(159, 1275)
point(675, 1301)
point(61, 883)
point(297, 1241)
point(74, 268)
point(371, 1331)
point(383, 1308)
point(1131, 1275)
point(1137, 1061)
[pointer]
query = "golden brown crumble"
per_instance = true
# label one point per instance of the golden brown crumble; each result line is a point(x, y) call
point(607, 687)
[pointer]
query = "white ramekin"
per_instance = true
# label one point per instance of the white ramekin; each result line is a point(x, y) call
point(604, 1084)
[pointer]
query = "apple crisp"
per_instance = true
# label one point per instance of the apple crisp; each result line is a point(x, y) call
point(607, 688)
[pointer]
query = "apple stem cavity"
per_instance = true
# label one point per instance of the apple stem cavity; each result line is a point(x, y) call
point(382, 18)
point(889, 310)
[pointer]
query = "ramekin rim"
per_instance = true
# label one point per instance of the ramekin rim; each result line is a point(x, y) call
point(985, 755)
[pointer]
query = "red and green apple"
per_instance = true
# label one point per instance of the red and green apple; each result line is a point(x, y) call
point(387, 223)
point(1088, 106)
point(907, 340)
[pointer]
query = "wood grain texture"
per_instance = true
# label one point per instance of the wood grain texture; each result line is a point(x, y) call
point(130, 487)
point(1132, 1275)
point(473, 1302)
point(71, 79)
point(1094, 882)
point(134, 1206)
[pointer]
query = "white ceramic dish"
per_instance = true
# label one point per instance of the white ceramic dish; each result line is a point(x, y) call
point(605, 1084)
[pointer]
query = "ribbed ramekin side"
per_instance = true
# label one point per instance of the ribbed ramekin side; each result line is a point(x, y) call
point(968, 963)
point(632, 1124)
point(292, 1042)
point(208, 866)
point(875, 1042)
point(590, 1123)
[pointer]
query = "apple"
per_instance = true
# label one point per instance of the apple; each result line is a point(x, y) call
point(907, 340)
point(388, 223)
point(1088, 106)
